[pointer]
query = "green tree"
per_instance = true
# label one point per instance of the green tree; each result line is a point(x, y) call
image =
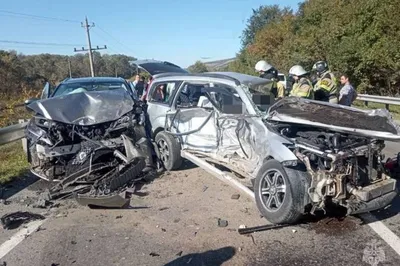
point(198, 67)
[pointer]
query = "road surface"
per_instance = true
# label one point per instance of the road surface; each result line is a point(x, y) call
point(174, 221)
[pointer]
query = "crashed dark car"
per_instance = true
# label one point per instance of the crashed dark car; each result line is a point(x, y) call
point(88, 136)
point(299, 156)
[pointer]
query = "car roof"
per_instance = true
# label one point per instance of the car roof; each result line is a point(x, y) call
point(92, 79)
point(238, 78)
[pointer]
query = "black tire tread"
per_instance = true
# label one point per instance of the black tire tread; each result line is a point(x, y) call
point(175, 150)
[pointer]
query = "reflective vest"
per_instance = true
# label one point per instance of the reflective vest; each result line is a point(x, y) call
point(303, 88)
point(326, 88)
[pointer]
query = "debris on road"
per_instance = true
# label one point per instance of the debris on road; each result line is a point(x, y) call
point(153, 254)
point(294, 230)
point(205, 188)
point(222, 223)
point(235, 196)
point(16, 219)
point(250, 230)
point(119, 217)
point(179, 253)
point(163, 209)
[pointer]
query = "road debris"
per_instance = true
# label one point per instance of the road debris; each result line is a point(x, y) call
point(235, 196)
point(222, 223)
point(119, 217)
point(179, 253)
point(250, 230)
point(294, 230)
point(205, 188)
point(153, 254)
point(16, 219)
point(163, 209)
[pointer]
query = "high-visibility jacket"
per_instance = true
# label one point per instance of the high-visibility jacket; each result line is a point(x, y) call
point(326, 88)
point(303, 88)
point(278, 89)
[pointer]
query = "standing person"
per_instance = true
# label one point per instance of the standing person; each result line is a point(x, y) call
point(347, 93)
point(267, 71)
point(147, 87)
point(326, 87)
point(302, 87)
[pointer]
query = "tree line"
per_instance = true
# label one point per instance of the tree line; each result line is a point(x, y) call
point(358, 37)
point(19, 71)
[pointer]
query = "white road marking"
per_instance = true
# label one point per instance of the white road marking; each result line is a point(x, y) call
point(19, 237)
point(385, 233)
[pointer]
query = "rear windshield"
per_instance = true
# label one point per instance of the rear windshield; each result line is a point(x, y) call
point(68, 88)
point(281, 77)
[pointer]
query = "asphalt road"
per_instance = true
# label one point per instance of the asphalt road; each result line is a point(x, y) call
point(174, 221)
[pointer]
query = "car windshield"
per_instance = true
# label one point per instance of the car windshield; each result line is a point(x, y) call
point(76, 87)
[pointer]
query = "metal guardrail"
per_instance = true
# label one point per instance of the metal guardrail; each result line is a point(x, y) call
point(12, 133)
point(379, 99)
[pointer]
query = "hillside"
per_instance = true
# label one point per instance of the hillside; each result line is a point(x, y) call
point(218, 65)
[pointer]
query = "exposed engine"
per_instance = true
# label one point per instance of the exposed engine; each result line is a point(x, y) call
point(95, 158)
point(343, 167)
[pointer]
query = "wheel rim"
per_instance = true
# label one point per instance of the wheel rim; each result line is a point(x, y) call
point(164, 150)
point(273, 190)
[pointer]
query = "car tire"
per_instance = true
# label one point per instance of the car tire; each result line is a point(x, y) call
point(170, 150)
point(280, 195)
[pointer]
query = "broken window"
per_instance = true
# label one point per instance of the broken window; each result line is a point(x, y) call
point(162, 92)
point(209, 96)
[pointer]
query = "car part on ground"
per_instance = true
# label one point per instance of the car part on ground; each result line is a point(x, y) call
point(90, 143)
point(16, 219)
point(304, 155)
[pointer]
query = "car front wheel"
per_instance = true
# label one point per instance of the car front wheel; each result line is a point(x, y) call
point(280, 194)
point(170, 151)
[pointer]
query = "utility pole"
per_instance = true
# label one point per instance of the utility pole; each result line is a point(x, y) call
point(69, 68)
point(90, 49)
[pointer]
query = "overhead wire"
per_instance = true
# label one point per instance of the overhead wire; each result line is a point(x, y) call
point(38, 17)
point(126, 47)
point(40, 43)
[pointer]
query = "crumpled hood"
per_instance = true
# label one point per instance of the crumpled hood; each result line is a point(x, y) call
point(370, 123)
point(85, 108)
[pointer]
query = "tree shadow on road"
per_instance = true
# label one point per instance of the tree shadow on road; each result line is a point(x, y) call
point(22, 181)
point(211, 257)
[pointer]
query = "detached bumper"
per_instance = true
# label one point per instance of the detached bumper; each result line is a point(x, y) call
point(373, 197)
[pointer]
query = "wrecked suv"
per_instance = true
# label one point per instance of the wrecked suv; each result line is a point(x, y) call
point(298, 155)
point(88, 136)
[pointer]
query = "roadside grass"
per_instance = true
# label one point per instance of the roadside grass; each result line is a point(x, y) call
point(13, 162)
point(394, 109)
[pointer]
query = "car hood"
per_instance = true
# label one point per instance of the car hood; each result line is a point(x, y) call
point(376, 124)
point(154, 67)
point(85, 108)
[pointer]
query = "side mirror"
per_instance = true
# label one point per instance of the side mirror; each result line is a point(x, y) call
point(31, 100)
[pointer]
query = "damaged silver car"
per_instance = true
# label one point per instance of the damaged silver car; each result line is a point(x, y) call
point(298, 155)
point(88, 136)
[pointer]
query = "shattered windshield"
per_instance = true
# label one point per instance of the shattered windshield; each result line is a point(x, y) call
point(76, 87)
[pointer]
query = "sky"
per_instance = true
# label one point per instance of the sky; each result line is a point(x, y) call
point(179, 31)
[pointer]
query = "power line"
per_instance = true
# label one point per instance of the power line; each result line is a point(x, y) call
point(105, 39)
point(126, 47)
point(40, 43)
point(41, 17)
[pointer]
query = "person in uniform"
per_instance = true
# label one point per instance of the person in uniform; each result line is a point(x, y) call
point(302, 86)
point(326, 88)
point(267, 71)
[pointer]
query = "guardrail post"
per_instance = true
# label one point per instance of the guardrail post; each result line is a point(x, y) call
point(23, 140)
point(366, 103)
point(387, 106)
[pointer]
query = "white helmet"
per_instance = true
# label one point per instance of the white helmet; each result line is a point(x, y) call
point(297, 70)
point(262, 66)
